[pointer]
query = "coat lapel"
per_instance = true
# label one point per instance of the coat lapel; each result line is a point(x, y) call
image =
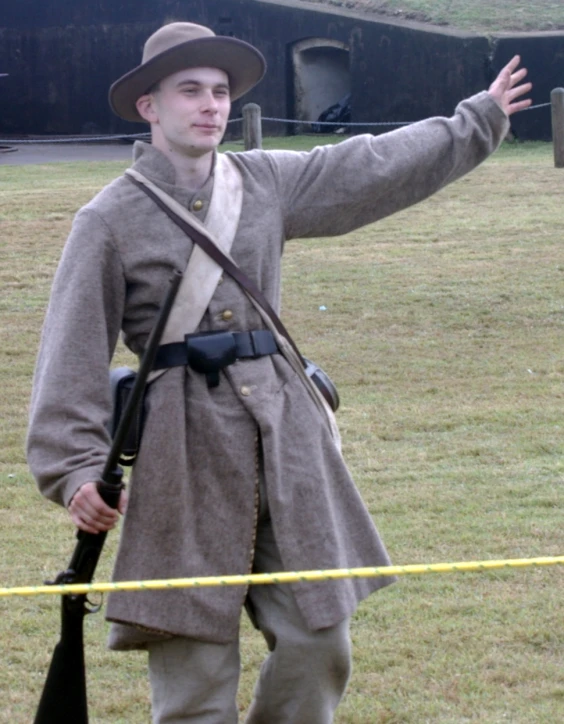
point(202, 273)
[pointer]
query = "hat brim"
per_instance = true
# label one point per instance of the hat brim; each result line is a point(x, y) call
point(243, 63)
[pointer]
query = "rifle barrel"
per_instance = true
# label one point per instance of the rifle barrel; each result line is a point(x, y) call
point(64, 693)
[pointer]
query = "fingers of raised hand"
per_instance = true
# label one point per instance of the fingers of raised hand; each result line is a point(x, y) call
point(508, 87)
point(513, 64)
point(511, 103)
point(517, 77)
point(519, 91)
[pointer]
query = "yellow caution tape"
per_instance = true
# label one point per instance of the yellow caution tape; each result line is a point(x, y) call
point(282, 577)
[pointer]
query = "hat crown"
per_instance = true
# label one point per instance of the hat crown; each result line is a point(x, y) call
point(180, 45)
point(171, 35)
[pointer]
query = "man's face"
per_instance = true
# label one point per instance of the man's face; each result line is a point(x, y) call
point(189, 110)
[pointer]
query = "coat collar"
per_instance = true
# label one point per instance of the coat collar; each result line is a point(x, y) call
point(153, 164)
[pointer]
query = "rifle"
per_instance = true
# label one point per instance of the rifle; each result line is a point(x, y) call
point(64, 693)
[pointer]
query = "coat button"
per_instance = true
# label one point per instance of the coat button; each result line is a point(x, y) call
point(226, 315)
point(245, 391)
point(198, 205)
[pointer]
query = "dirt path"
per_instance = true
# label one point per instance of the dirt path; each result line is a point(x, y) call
point(63, 152)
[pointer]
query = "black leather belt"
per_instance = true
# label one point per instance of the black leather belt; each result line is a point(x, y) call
point(209, 352)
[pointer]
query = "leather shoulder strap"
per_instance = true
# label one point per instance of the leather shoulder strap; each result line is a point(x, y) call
point(202, 273)
point(200, 236)
point(202, 239)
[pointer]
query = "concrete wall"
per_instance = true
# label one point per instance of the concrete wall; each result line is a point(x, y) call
point(62, 55)
point(543, 55)
point(409, 74)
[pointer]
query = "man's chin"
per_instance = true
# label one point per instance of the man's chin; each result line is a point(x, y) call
point(196, 150)
point(209, 141)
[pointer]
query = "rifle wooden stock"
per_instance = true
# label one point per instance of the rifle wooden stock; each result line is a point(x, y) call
point(64, 693)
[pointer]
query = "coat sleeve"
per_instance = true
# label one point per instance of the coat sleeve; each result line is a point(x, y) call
point(334, 189)
point(67, 443)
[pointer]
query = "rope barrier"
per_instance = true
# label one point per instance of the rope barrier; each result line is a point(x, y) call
point(76, 139)
point(539, 105)
point(341, 124)
point(282, 577)
point(145, 135)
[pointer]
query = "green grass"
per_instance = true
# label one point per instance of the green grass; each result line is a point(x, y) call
point(443, 327)
point(479, 16)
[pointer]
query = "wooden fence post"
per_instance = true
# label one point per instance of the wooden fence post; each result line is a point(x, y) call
point(252, 129)
point(557, 101)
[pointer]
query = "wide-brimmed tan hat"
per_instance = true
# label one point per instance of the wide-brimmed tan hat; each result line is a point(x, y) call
point(186, 45)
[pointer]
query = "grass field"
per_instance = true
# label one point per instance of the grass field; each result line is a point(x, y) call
point(478, 16)
point(443, 328)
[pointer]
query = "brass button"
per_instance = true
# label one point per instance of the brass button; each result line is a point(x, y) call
point(198, 205)
point(245, 391)
point(227, 315)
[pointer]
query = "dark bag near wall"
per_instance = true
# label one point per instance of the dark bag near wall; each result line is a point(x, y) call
point(121, 384)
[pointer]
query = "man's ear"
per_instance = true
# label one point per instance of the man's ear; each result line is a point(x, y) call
point(146, 109)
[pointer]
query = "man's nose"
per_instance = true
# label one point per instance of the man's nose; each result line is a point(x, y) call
point(210, 102)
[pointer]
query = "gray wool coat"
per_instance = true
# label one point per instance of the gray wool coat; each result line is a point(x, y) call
point(194, 489)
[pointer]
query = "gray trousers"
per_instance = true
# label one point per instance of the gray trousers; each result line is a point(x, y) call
point(301, 681)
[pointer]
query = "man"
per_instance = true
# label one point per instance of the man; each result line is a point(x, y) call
point(245, 474)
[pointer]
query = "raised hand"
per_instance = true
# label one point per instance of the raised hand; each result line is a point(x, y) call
point(507, 87)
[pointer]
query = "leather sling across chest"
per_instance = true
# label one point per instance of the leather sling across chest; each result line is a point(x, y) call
point(314, 373)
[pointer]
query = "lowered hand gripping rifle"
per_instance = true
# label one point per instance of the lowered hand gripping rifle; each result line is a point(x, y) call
point(64, 692)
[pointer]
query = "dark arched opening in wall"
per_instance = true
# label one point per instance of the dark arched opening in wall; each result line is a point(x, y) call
point(320, 78)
